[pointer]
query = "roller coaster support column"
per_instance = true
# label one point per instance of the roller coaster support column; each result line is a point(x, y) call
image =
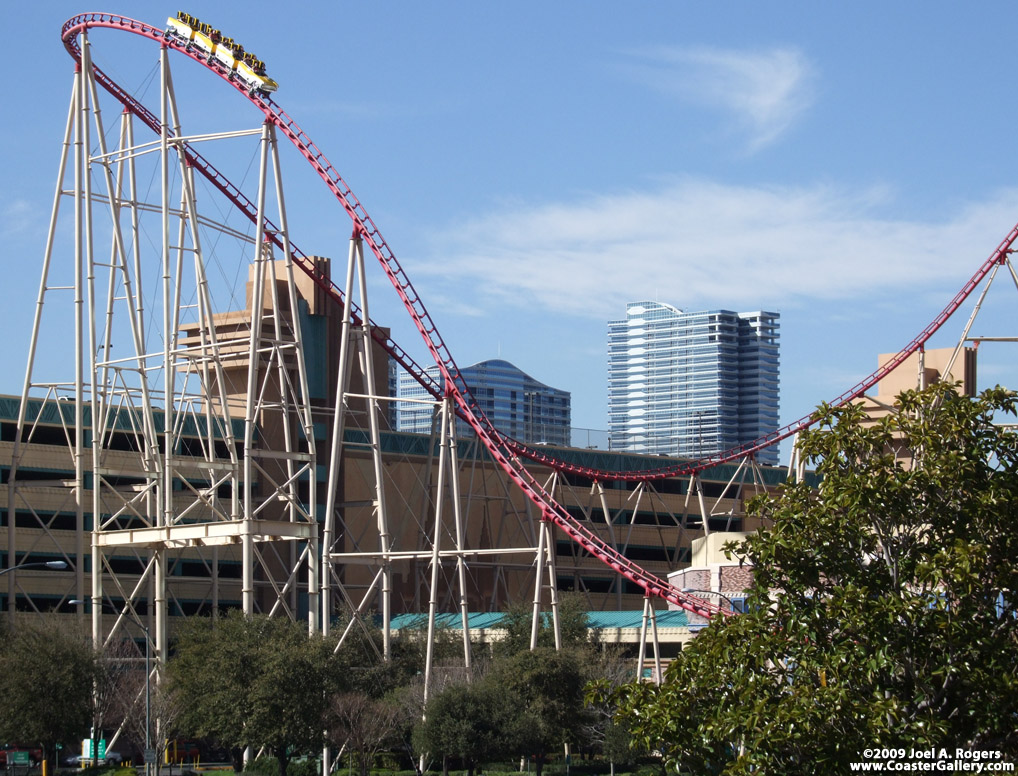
point(545, 558)
point(977, 307)
point(83, 260)
point(796, 463)
point(461, 566)
point(446, 418)
point(338, 430)
point(373, 410)
point(609, 522)
point(448, 467)
point(253, 381)
point(648, 614)
point(17, 451)
point(211, 375)
point(314, 550)
point(695, 485)
point(166, 505)
point(355, 266)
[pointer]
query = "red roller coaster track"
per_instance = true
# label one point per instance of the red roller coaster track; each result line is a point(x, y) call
point(505, 451)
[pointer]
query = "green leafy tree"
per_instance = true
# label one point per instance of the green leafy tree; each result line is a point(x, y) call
point(883, 608)
point(544, 692)
point(470, 722)
point(369, 674)
point(255, 681)
point(395, 685)
point(517, 622)
point(48, 678)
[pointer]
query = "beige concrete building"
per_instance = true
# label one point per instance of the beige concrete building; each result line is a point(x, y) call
point(47, 517)
point(919, 371)
point(655, 527)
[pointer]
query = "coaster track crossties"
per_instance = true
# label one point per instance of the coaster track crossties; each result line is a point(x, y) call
point(505, 451)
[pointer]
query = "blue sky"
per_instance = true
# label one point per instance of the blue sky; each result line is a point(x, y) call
point(535, 166)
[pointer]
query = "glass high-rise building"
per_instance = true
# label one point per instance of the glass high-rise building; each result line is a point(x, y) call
point(515, 403)
point(691, 384)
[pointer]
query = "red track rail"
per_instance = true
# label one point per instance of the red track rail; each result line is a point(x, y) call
point(365, 226)
point(504, 450)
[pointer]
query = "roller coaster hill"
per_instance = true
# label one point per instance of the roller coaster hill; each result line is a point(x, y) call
point(213, 449)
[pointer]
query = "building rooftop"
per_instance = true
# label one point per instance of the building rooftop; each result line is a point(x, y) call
point(604, 620)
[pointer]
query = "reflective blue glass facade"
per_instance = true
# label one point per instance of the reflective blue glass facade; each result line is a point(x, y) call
point(691, 384)
point(515, 403)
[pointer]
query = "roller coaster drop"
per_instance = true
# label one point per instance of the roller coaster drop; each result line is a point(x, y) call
point(122, 397)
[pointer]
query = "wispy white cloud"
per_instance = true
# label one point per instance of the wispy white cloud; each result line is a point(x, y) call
point(457, 304)
point(764, 92)
point(697, 243)
point(17, 217)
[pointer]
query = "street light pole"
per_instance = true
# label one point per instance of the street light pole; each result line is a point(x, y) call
point(148, 699)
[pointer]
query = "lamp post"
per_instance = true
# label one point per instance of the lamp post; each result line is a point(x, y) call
point(148, 679)
point(49, 564)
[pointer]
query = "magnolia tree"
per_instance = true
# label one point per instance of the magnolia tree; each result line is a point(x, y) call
point(882, 613)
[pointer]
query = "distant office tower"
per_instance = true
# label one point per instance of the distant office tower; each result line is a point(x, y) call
point(691, 384)
point(515, 403)
point(393, 392)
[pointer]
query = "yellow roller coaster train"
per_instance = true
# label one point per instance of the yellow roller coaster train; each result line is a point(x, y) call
point(241, 64)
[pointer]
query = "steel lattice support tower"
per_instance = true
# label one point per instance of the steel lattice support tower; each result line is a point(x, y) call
point(189, 431)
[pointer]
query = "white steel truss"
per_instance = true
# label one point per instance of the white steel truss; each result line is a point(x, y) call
point(189, 430)
point(440, 517)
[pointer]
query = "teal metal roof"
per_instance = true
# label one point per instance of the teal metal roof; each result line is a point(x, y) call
point(448, 620)
point(666, 618)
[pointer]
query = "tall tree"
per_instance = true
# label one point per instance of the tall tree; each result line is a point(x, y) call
point(362, 725)
point(48, 679)
point(255, 681)
point(603, 729)
point(131, 702)
point(882, 613)
point(469, 722)
point(517, 623)
point(544, 690)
